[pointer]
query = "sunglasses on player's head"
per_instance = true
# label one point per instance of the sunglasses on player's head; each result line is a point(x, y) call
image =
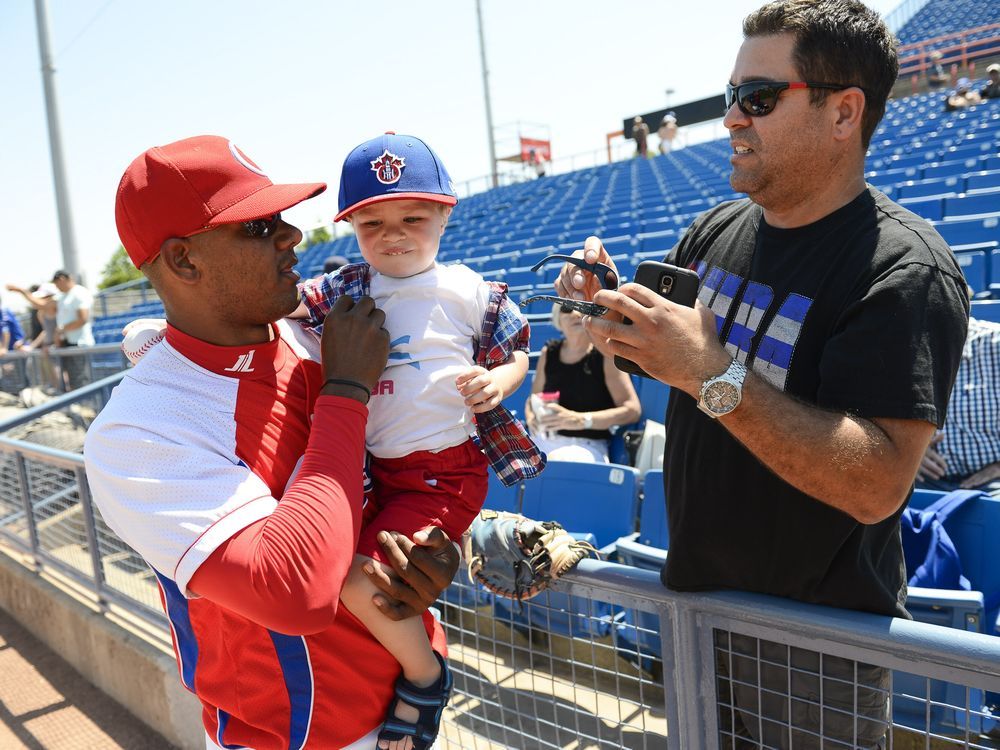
point(759, 98)
point(604, 273)
point(260, 229)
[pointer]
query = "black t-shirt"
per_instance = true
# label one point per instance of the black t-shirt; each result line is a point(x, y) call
point(862, 312)
point(581, 386)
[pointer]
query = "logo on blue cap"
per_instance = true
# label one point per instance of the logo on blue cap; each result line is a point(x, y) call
point(388, 168)
point(392, 167)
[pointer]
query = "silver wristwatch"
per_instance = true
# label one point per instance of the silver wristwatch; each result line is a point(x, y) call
point(723, 393)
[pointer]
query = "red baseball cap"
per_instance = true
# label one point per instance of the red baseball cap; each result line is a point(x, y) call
point(191, 186)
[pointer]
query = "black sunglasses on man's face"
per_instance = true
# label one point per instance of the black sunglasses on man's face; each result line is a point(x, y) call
point(260, 229)
point(759, 98)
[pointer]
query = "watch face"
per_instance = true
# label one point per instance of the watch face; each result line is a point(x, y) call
point(721, 397)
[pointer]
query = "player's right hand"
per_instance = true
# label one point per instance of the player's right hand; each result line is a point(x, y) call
point(575, 283)
point(422, 569)
point(355, 344)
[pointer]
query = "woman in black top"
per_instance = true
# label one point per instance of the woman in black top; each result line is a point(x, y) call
point(594, 395)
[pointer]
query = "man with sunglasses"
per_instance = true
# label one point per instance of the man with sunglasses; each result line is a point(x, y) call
point(230, 457)
point(810, 377)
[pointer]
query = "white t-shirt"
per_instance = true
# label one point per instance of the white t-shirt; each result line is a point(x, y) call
point(77, 298)
point(433, 319)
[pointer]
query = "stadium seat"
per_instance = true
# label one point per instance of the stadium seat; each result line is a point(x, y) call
point(985, 310)
point(515, 401)
point(980, 204)
point(969, 231)
point(975, 269)
point(653, 398)
point(972, 529)
point(586, 498)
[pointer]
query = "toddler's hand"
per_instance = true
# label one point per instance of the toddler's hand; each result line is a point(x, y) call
point(478, 388)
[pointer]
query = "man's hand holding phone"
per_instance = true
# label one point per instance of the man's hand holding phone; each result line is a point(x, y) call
point(673, 343)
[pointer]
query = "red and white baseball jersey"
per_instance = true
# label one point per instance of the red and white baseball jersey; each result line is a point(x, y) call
point(200, 443)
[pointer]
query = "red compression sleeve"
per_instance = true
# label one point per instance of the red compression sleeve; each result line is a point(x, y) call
point(286, 571)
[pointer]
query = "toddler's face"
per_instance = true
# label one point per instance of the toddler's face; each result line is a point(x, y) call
point(400, 238)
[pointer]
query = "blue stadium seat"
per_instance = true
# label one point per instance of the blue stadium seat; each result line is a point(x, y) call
point(931, 208)
point(515, 401)
point(922, 188)
point(586, 498)
point(653, 398)
point(499, 497)
point(975, 268)
point(980, 204)
point(969, 231)
point(983, 182)
point(986, 310)
point(972, 529)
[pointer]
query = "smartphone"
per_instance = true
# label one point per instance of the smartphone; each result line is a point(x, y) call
point(678, 285)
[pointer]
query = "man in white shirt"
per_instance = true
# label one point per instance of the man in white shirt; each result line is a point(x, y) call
point(73, 325)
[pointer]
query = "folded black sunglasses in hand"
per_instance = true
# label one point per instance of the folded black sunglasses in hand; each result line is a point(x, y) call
point(602, 271)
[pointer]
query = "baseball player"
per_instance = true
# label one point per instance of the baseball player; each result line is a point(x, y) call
point(231, 459)
point(458, 346)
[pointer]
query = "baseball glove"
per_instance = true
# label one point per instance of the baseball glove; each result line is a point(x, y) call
point(516, 557)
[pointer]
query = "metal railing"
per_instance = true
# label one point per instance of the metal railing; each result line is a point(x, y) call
point(608, 658)
point(59, 369)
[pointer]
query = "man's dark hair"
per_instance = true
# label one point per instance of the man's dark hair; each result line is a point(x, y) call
point(836, 41)
point(61, 275)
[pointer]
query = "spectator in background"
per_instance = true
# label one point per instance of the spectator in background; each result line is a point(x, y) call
point(43, 300)
point(966, 452)
point(992, 88)
point(963, 96)
point(937, 78)
point(594, 395)
point(640, 133)
point(334, 262)
point(667, 132)
point(808, 381)
point(11, 333)
point(73, 325)
point(539, 164)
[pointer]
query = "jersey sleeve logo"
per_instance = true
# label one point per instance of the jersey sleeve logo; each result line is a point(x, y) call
point(388, 168)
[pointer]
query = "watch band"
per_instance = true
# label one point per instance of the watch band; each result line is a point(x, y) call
point(588, 421)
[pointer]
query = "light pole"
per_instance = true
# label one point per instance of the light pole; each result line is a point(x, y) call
point(486, 94)
point(70, 262)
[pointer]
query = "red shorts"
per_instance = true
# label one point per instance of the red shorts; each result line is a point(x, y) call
point(446, 489)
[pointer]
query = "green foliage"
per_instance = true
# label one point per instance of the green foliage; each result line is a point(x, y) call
point(318, 236)
point(118, 270)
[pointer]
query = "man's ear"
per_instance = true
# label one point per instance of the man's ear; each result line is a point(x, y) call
point(849, 109)
point(445, 215)
point(176, 262)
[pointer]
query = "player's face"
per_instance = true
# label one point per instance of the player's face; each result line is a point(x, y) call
point(400, 238)
point(778, 159)
point(248, 281)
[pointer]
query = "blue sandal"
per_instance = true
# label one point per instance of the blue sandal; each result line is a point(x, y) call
point(429, 701)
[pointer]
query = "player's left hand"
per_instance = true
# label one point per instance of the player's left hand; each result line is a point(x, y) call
point(479, 389)
point(423, 567)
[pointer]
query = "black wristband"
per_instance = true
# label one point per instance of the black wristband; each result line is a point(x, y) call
point(352, 383)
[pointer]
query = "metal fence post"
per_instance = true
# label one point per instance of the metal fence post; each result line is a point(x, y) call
point(29, 515)
point(83, 489)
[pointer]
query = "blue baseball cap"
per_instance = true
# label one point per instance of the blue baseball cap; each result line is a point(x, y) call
point(392, 167)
